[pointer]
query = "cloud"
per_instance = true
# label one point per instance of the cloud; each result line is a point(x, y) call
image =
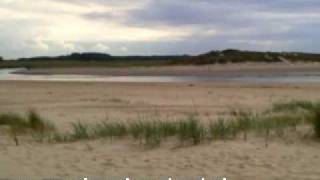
point(101, 48)
point(51, 27)
point(124, 49)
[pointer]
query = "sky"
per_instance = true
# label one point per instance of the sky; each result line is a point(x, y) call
point(156, 27)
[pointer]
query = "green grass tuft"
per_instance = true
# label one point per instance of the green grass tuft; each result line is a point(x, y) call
point(33, 124)
point(105, 129)
point(80, 131)
point(222, 129)
point(11, 119)
point(294, 106)
point(136, 129)
point(36, 122)
point(246, 122)
point(190, 129)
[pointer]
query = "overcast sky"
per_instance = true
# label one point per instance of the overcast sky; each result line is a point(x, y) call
point(122, 27)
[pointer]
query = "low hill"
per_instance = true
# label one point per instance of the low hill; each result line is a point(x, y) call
point(237, 56)
point(106, 60)
point(74, 56)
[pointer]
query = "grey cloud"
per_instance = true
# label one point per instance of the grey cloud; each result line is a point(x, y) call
point(291, 24)
point(182, 12)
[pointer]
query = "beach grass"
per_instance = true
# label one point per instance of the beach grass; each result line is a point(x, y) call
point(114, 129)
point(188, 130)
point(80, 131)
point(191, 129)
point(33, 124)
point(295, 105)
point(222, 129)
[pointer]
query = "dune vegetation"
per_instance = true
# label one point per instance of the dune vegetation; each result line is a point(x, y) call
point(282, 118)
point(33, 124)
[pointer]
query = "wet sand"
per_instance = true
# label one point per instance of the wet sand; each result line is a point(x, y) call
point(66, 102)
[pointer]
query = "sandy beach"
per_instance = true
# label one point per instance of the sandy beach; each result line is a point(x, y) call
point(159, 90)
point(67, 102)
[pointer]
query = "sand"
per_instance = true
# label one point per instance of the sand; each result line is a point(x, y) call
point(66, 102)
point(234, 159)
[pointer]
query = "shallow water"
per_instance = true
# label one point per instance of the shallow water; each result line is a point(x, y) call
point(306, 77)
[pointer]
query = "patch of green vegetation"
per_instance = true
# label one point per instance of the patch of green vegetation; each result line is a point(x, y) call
point(58, 137)
point(293, 106)
point(310, 113)
point(246, 122)
point(262, 124)
point(12, 119)
point(80, 131)
point(190, 129)
point(275, 122)
point(33, 124)
point(38, 124)
point(219, 130)
point(111, 130)
point(136, 129)
point(152, 134)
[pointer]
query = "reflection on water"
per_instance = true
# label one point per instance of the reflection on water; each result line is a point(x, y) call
point(7, 74)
